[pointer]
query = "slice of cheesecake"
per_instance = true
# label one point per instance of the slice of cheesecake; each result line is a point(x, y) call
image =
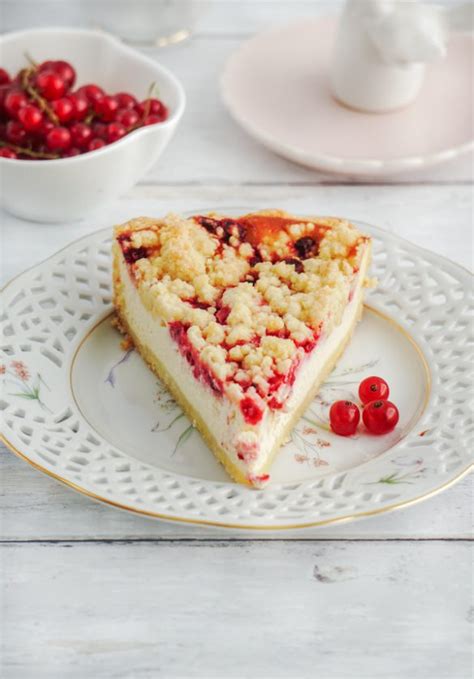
point(242, 318)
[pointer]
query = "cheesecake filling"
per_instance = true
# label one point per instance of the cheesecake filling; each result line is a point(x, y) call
point(247, 439)
point(242, 317)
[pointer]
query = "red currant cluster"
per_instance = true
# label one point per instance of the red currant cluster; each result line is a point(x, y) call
point(42, 117)
point(379, 414)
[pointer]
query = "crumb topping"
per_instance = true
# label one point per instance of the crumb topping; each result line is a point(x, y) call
point(244, 298)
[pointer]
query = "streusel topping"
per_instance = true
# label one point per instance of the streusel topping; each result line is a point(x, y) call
point(245, 298)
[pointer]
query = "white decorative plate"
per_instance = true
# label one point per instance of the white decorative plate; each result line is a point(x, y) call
point(78, 407)
point(276, 87)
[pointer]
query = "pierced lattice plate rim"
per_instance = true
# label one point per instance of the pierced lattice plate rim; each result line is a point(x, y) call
point(50, 309)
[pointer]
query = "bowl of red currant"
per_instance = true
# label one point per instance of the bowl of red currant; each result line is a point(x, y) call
point(82, 118)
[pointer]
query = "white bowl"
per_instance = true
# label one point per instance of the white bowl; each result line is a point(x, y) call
point(71, 188)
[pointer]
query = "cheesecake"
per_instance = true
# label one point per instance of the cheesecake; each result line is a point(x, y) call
point(242, 318)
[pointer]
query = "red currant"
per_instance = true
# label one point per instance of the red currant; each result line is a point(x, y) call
point(46, 126)
point(63, 108)
point(128, 117)
point(125, 100)
point(164, 113)
point(91, 92)
point(99, 130)
point(344, 417)
point(17, 80)
point(380, 417)
point(31, 117)
point(4, 90)
point(250, 410)
point(15, 132)
point(373, 388)
point(5, 80)
point(41, 148)
point(46, 65)
point(58, 139)
point(152, 120)
point(5, 152)
point(80, 105)
point(14, 101)
point(50, 85)
point(95, 144)
point(106, 108)
point(81, 134)
point(153, 107)
point(115, 131)
point(66, 71)
point(73, 151)
point(25, 123)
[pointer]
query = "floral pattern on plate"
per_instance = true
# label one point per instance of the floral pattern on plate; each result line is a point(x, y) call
point(130, 446)
point(17, 375)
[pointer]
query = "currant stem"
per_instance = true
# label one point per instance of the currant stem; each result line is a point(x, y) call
point(30, 59)
point(43, 105)
point(29, 152)
point(146, 112)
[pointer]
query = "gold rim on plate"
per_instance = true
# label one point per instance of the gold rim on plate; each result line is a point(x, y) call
point(217, 524)
point(205, 522)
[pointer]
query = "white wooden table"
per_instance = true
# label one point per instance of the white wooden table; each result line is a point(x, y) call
point(89, 591)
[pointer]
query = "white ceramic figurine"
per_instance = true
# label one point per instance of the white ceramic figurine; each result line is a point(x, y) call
point(382, 47)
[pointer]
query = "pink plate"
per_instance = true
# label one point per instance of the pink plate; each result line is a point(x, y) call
point(276, 87)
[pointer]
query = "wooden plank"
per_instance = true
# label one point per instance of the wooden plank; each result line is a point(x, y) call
point(253, 610)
